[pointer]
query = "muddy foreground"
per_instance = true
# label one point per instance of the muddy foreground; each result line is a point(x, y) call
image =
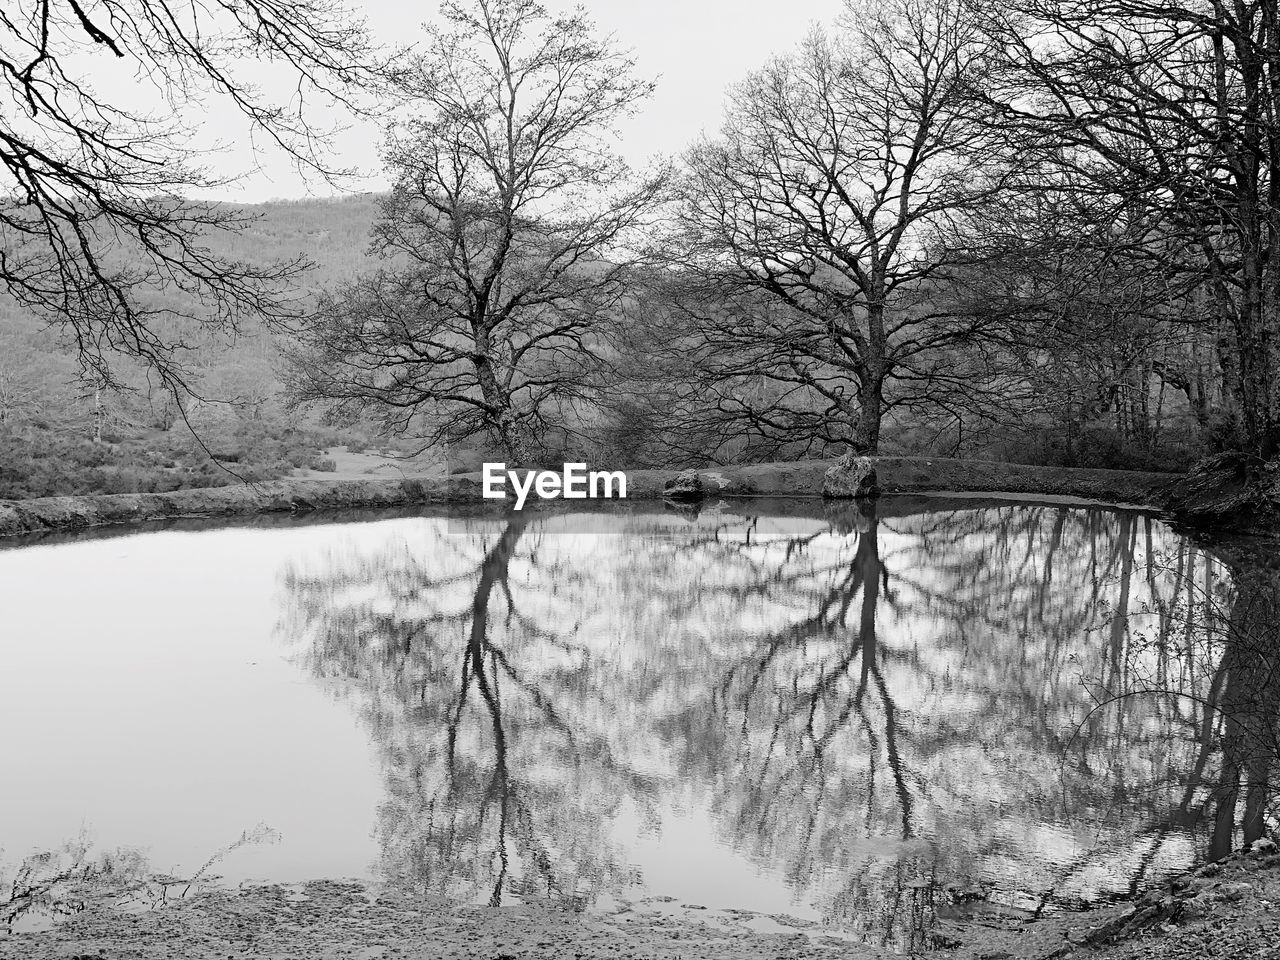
point(1224, 910)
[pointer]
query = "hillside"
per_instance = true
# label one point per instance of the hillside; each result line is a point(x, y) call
point(60, 434)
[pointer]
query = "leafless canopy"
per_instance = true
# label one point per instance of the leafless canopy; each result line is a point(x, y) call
point(505, 238)
point(834, 191)
point(1165, 118)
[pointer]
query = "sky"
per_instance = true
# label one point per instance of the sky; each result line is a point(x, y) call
point(694, 48)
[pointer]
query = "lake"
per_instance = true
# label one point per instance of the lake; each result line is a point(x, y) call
point(843, 716)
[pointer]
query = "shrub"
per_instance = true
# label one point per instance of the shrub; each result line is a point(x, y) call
point(36, 462)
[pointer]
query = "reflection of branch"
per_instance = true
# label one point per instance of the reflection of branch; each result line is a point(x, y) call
point(895, 761)
point(746, 678)
point(61, 883)
point(464, 811)
point(999, 582)
point(259, 834)
point(42, 883)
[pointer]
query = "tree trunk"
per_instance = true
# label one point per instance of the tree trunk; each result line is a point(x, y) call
point(515, 444)
point(866, 434)
point(98, 415)
point(502, 418)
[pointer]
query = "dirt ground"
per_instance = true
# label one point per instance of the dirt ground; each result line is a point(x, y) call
point(333, 920)
point(1228, 910)
point(353, 465)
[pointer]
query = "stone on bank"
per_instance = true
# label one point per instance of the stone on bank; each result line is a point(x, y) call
point(851, 477)
point(686, 486)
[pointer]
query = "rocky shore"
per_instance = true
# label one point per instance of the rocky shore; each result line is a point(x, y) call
point(800, 479)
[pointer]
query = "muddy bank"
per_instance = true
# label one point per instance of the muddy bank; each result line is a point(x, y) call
point(1227, 909)
point(1220, 910)
point(801, 479)
point(1229, 492)
point(283, 496)
point(328, 919)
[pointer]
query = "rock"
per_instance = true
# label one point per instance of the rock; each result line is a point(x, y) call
point(686, 485)
point(1209, 870)
point(726, 484)
point(1193, 909)
point(1236, 891)
point(851, 477)
point(1151, 897)
point(1109, 928)
point(1262, 848)
point(944, 941)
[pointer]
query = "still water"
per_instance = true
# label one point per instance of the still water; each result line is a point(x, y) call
point(836, 717)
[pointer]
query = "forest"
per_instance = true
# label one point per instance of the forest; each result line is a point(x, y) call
point(1042, 232)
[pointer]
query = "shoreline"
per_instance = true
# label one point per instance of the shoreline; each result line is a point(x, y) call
point(798, 480)
point(1223, 909)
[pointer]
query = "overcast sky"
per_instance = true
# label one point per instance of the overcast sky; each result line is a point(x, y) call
point(695, 48)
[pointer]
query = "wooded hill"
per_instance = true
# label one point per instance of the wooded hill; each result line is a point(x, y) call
point(63, 433)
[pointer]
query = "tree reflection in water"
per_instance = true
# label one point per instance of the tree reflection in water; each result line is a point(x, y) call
point(904, 717)
point(503, 769)
point(49, 886)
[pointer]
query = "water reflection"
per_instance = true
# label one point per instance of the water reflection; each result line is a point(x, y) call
point(501, 777)
point(49, 886)
point(901, 717)
point(56, 884)
point(1246, 691)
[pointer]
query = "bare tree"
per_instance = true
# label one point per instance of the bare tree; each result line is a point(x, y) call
point(97, 228)
point(832, 190)
point(505, 237)
point(1165, 117)
point(1111, 342)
